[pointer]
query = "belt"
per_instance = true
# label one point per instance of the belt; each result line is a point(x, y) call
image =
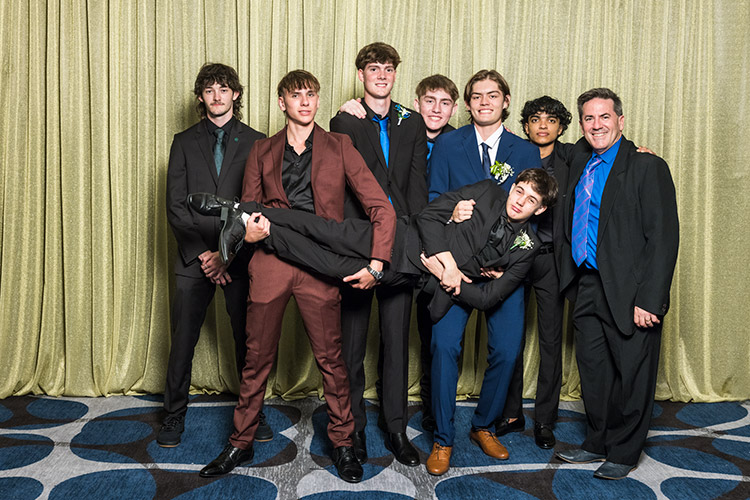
point(546, 248)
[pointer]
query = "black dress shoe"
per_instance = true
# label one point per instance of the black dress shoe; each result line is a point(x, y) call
point(229, 458)
point(171, 430)
point(428, 423)
point(263, 433)
point(209, 203)
point(504, 426)
point(347, 465)
point(544, 436)
point(359, 443)
point(232, 235)
point(398, 444)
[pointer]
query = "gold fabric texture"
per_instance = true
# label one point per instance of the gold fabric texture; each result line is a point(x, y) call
point(93, 92)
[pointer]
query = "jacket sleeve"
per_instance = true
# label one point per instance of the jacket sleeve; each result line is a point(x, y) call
point(417, 195)
point(373, 200)
point(180, 217)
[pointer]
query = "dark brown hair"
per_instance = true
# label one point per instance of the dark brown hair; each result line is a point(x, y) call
point(488, 74)
point(437, 82)
point(377, 52)
point(542, 182)
point(222, 74)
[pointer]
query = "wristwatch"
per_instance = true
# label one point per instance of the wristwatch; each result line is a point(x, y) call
point(378, 275)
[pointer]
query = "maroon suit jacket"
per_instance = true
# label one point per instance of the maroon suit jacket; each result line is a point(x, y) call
point(335, 165)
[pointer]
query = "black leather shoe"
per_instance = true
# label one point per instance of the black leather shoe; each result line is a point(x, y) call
point(359, 443)
point(229, 458)
point(544, 436)
point(232, 235)
point(171, 430)
point(263, 433)
point(428, 423)
point(580, 456)
point(210, 204)
point(611, 470)
point(398, 444)
point(504, 426)
point(347, 465)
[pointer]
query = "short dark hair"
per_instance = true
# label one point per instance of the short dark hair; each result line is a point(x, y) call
point(599, 93)
point(488, 74)
point(377, 52)
point(542, 182)
point(437, 82)
point(298, 79)
point(549, 105)
point(222, 74)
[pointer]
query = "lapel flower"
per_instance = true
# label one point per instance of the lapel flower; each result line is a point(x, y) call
point(403, 114)
point(522, 241)
point(501, 171)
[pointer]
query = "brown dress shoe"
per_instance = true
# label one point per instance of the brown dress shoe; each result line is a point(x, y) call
point(486, 440)
point(440, 459)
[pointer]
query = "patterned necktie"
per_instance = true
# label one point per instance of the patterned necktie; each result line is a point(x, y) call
point(581, 210)
point(385, 143)
point(219, 149)
point(486, 160)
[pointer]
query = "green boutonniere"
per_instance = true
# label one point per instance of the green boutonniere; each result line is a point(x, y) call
point(403, 113)
point(501, 171)
point(523, 241)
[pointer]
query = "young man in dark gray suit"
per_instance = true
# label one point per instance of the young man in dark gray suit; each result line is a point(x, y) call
point(209, 156)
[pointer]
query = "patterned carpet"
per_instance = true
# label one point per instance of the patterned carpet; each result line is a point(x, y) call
point(105, 448)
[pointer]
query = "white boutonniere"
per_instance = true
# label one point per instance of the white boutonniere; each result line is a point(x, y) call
point(523, 241)
point(501, 171)
point(403, 113)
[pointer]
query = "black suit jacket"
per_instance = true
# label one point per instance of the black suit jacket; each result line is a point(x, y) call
point(404, 179)
point(466, 239)
point(638, 233)
point(192, 170)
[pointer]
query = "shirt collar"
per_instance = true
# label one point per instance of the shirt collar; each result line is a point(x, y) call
point(493, 140)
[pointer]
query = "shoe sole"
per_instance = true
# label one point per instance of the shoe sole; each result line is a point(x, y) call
point(168, 445)
point(476, 443)
point(581, 462)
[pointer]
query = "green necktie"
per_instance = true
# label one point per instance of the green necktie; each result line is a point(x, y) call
point(219, 149)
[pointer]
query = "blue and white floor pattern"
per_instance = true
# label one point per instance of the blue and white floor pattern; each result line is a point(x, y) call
point(105, 448)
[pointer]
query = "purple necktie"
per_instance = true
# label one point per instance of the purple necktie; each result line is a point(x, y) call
point(581, 210)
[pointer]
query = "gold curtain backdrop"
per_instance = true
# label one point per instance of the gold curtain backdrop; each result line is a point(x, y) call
point(93, 92)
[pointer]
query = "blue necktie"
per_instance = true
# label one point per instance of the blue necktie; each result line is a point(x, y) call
point(385, 143)
point(219, 149)
point(486, 160)
point(583, 192)
point(430, 145)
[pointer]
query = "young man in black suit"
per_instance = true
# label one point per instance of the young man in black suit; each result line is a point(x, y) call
point(437, 101)
point(618, 258)
point(544, 120)
point(209, 156)
point(392, 141)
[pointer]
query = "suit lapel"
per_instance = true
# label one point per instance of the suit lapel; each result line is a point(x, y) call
point(472, 152)
point(203, 138)
point(320, 146)
point(276, 154)
point(394, 136)
point(505, 147)
point(612, 188)
point(372, 133)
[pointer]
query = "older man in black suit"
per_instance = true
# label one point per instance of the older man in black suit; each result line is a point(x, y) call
point(209, 156)
point(619, 255)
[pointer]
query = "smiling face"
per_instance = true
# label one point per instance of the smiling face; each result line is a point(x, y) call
point(378, 79)
point(219, 101)
point(523, 202)
point(436, 107)
point(486, 103)
point(543, 129)
point(600, 124)
point(300, 105)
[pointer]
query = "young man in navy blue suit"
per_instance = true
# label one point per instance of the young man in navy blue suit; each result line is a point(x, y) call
point(482, 150)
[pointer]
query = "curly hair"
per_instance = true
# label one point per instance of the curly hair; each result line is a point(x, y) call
point(211, 73)
point(549, 105)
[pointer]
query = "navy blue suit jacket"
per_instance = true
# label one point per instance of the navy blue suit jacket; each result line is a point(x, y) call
point(455, 161)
